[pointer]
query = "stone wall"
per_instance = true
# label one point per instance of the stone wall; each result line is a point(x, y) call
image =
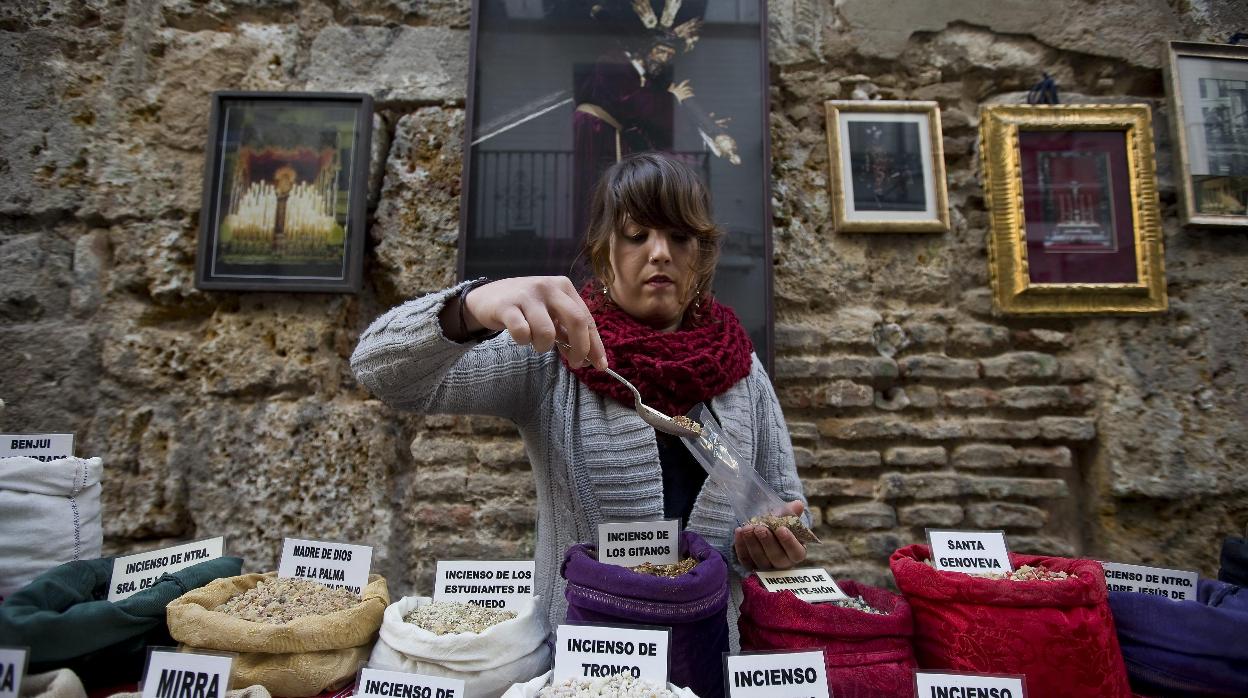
point(910, 403)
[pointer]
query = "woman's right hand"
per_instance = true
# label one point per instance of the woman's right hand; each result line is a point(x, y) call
point(535, 310)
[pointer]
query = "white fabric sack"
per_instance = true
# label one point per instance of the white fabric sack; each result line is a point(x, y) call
point(488, 662)
point(49, 515)
point(530, 689)
point(60, 683)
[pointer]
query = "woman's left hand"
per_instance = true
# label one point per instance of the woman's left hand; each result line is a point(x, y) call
point(758, 548)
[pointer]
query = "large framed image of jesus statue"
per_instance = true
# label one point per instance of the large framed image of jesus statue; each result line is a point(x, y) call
point(561, 89)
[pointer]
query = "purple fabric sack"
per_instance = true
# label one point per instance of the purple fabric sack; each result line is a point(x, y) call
point(1185, 648)
point(694, 605)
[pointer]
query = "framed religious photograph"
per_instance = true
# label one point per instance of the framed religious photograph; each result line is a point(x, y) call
point(561, 89)
point(285, 189)
point(1072, 195)
point(886, 167)
point(1208, 89)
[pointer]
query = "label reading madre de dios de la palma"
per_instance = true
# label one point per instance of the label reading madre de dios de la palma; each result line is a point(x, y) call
point(335, 565)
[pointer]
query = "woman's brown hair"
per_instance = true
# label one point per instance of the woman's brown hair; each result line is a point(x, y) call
point(657, 191)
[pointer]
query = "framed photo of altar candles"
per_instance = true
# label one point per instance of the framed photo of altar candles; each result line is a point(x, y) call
point(1072, 197)
point(285, 189)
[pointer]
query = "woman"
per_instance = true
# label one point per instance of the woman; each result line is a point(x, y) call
point(648, 313)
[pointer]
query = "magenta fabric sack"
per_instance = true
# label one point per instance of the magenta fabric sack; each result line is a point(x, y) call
point(694, 605)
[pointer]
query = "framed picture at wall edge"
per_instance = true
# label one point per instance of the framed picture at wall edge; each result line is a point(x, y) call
point(560, 90)
point(285, 189)
point(1072, 197)
point(886, 167)
point(1208, 89)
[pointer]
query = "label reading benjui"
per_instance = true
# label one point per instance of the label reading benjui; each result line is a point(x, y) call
point(972, 552)
point(336, 565)
point(777, 675)
point(12, 669)
point(1179, 585)
point(598, 651)
point(502, 584)
point(44, 447)
point(134, 573)
point(378, 683)
point(630, 544)
point(186, 675)
point(812, 584)
point(934, 685)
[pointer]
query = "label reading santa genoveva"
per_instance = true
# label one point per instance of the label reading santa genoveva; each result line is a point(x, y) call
point(378, 683)
point(502, 584)
point(1179, 585)
point(598, 651)
point(630, 544)
point(12, 669)
point(812, 584)
point(972, 552)
point(777, 675)
point(336, 565)
point(186, 675)
point(44, 447)
point(134, 573)
point(958, 685)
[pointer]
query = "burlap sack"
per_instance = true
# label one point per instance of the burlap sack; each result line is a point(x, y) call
point(301, 658)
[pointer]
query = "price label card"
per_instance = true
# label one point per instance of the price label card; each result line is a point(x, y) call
point(952, 684)
point(377, 683)
point(777, 675)
point(599, 651)
point(502, 584)
point(336, 565)
point(12, 669)
point(972, 552)
point(1179, 585)
point(630, 544)
point(134, 573)
point(186, 675)
point(44, 447)
point(812, 584)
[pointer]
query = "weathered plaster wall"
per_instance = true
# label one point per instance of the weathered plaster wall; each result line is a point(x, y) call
point(910, 403)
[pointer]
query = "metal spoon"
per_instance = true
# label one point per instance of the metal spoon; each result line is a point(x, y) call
point(649, 415)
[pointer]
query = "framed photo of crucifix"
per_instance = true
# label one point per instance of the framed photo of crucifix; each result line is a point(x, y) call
point(1072, 194)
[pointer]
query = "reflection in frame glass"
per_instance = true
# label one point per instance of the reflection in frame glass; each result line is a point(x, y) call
point(1208, 89)
point(886, 167)
point(1072, 196)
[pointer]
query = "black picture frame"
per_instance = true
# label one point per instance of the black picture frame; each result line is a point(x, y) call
point(744, 280)
point(285, 192)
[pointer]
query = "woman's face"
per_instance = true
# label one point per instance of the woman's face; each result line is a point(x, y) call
point(654, 275)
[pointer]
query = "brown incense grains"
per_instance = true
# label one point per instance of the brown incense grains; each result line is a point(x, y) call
point(857, 603)
point(279, 601)
point(673, 570)
point(1026, 573)
point(687, 423)
point(792, 523)
point(449, 617)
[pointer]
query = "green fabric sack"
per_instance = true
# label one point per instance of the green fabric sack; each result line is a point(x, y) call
point(66, 620)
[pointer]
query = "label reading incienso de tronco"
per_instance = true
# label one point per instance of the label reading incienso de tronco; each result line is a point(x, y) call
point(1179, 585)
point(630, 544)
point(134, 573)
point(599, 651)
point(186, 675)
point(12, 669)
point(379, 683)
point(812, 584)
point(44, 447)
point(777, 675)
point(958, 685)
point(972, 552)
point(336, 565)
point(502, 584)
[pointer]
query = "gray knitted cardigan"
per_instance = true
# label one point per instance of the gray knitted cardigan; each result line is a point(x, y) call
point(593, 458)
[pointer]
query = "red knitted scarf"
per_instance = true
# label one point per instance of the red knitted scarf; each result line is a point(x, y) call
point(673, 370)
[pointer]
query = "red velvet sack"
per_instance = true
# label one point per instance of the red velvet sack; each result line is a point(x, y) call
point(1060, 635)
point(867, 656)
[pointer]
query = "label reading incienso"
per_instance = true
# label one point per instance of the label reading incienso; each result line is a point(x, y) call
point(777, 675)
point(378, 683)
point(502, 584)
point(1179, 585)
point(630, 544)
point(972, 552)
point(957, 685)
point(336, 565)
point(812, 584)
point(599, 651)
point(134, 573)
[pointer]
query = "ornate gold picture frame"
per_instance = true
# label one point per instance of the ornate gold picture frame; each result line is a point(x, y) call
point(886, 167)
point(1072, 196)
point(1208, 89)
